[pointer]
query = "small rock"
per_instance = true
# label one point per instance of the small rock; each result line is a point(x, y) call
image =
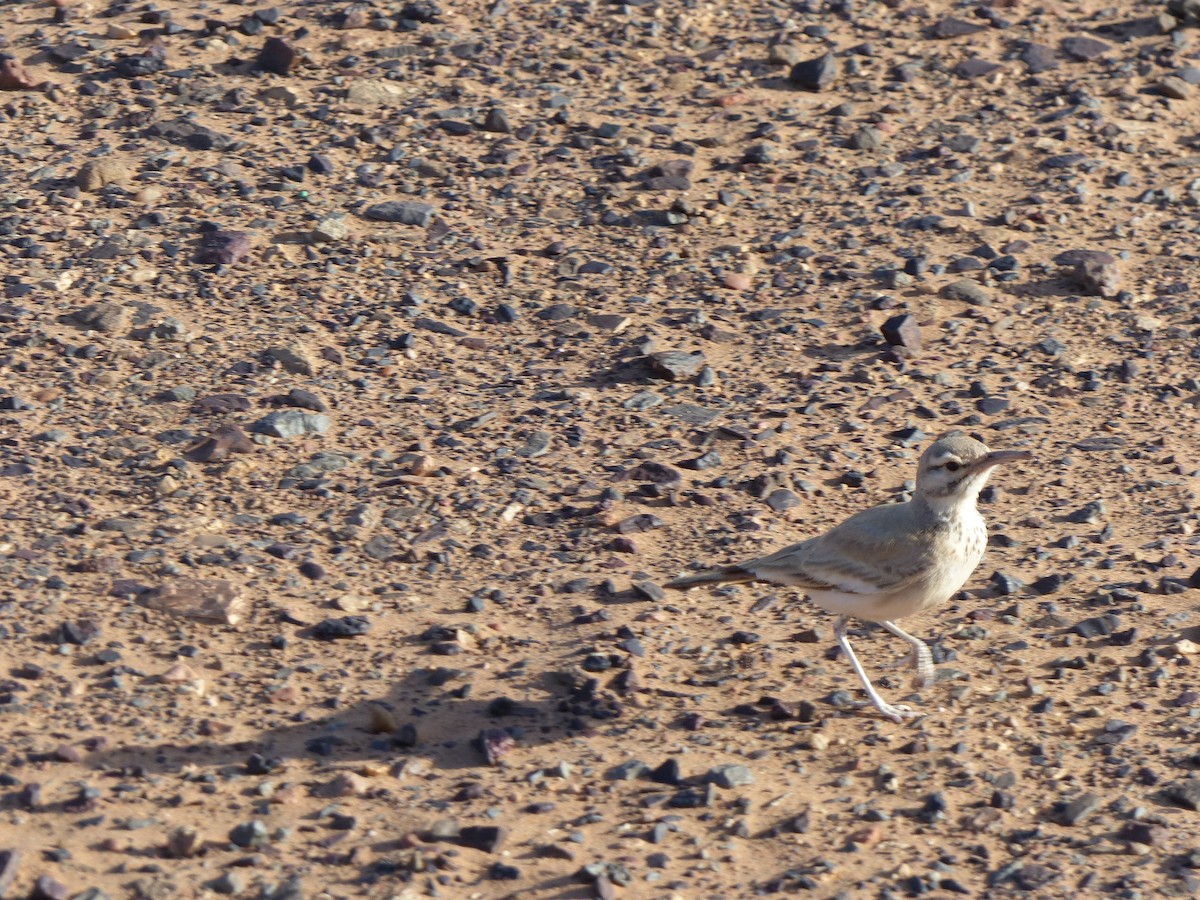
point(1095, 271)
point(46, 888)
point(404, 212)
point(220, 444)
point(10, 862)
point(1006, 584)
point(213, 599)
point(729, 775)
point(183, 842)
point(675, 365)
point(294, 358)
point(487, 838)
point(105, 317)
point(902, 331)
point(329, 229)
point(1079, 809)
point(1175, 87)
point(1089, 514)
point(815, 74)
point(277, 56)
point(495, 744)
point(14, 77)
point(223, 248)
point(868, 137)
point(98, 173)
point(1185, 793)
point(290, 423)
point(251, 835)
point(968, 292)
point(1084, 49)
point(227, 884)
point(341, 627)
point(375, 92)
point(497, 121)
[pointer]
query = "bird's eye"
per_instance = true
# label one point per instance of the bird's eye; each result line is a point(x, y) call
point(952, 466)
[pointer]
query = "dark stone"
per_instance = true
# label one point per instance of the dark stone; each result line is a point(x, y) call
point(815, 74)
point(1039, 58)
point(1077, 810)
point(343, 627)
point(403, 212)
point(277, 56)
point(482, 837)
point(223, 248)
point(902, 331)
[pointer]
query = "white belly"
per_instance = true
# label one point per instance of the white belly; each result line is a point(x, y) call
point(956, 558)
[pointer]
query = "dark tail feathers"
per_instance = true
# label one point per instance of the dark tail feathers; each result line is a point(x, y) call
point(723, 575)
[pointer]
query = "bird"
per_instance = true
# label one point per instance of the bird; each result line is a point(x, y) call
point(889, 561)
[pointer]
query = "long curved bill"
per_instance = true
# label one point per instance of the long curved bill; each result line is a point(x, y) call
point(996, 457)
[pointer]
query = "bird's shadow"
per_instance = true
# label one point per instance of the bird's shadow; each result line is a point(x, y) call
point(428, 715)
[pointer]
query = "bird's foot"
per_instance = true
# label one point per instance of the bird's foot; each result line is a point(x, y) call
point(897, 712)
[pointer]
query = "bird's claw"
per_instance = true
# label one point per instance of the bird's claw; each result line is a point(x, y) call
point(898, 712)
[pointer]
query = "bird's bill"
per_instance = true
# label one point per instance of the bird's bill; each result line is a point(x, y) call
point(996, 457)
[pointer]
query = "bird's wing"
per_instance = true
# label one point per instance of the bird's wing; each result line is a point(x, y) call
point(873, 552)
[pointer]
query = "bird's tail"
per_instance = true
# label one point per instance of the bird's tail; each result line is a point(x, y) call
point(722, 575)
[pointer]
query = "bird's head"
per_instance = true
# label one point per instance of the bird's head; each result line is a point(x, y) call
point(955, 467)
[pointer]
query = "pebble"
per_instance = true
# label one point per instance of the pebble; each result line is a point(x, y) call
point(277, 56)
point(675, 365)
point(1185, 793)
point(1095, 271)
point(330, 229)
point(335, 628)
point(46, 888)
point(1083, 48)
point(14, 76)
point(210, 599)
point(10, 863)
point(403, 212)
point(106, 317)
point(729, 776)
point(968, 292)
point(902, 331)
point(290, 423)
point(96, 174)
point(815, 74)
point(294, 358)
point(1079, 809)
point(223, 248)
point(250, 835)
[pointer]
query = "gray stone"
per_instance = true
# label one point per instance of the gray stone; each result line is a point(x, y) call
point(404, 212)
point(902, 331)
point(968, 292)
point(251, 834)
point(1079, 809)
point(289, 423)
point(105, 317)
point(815, 74)
point(1185, 793)
point(294, 358)
point(867, 137)
point(675, 365)
point(631, 770)
point(730, 775)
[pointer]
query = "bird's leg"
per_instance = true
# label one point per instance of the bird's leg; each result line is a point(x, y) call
point(895, 713)
point(921, 657)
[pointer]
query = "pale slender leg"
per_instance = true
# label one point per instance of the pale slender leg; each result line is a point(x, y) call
point(922, 658)
point(895, 713)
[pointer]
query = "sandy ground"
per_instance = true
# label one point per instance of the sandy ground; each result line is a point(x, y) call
point(367, 368)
